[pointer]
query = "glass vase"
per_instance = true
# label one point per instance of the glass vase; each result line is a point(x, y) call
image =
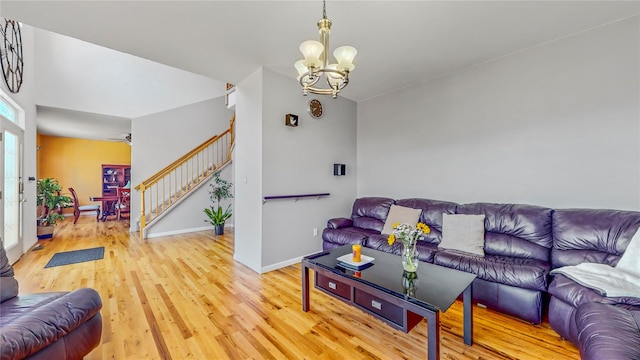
point(409, 283)
point(410, 257)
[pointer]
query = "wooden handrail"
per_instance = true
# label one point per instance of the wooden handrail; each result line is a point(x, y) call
point(167, 169)
point(169, 186)
point(174, 165)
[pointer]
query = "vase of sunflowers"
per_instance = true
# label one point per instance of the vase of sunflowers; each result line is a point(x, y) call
point(409, 236)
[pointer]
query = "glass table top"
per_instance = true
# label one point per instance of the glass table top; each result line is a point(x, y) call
point(432, 286)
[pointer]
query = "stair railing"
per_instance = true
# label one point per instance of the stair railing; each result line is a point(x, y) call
point(170, 185)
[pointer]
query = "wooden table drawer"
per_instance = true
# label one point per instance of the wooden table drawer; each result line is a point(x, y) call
point(391, 312)
point(334, 287)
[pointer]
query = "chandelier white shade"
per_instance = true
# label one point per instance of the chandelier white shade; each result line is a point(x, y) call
point(316, 66)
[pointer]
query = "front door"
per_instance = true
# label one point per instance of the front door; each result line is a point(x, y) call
point(11, 140)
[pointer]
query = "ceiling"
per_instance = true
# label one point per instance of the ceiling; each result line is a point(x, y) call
point(399, 42)
point(79, 124)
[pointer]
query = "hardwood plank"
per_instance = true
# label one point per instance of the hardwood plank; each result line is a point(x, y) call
point(183, 297)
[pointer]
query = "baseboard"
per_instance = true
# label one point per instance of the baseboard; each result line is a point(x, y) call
point(285, 263)
point(176, 232)
point(81, 214)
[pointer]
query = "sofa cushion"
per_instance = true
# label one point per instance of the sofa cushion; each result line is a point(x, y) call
point(463, 232)
point(30, 323)
point(426, 250)
point(346, 236)
point(591, 235)
point(518, 272)
point(370, 212)
point(339, 223)
point(524, 230)
point(608, 331)
point(576, 295)
point(432, 211)
point(368, 223)
point(401, 215)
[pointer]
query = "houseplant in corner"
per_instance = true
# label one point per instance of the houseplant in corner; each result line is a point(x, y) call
point(50, 200)
point(220, 190)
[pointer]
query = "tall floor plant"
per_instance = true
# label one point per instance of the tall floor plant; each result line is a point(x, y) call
point(219, 190)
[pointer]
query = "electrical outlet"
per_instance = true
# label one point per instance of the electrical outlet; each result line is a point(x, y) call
point(315, 231)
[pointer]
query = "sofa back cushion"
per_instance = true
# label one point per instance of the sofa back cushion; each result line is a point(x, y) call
point(591, 235)
point(432, 211)
point(8, 284)
point(371, 212)
point(515, 230)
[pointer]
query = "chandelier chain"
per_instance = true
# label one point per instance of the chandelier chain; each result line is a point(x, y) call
point(324, 9)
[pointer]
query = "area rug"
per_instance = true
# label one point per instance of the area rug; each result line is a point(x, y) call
point(76, 256)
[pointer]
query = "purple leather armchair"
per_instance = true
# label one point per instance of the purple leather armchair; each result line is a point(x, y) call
point(56, 325)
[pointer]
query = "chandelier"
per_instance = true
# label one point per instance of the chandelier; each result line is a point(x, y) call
point(316, 63)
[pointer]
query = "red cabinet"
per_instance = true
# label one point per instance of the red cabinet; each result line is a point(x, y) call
point(114, 176)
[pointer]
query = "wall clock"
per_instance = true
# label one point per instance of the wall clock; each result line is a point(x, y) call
point(11, 49)
point(315, 108)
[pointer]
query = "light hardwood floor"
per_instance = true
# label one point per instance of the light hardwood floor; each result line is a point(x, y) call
point(183, 297)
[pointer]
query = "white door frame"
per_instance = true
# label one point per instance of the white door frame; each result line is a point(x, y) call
point(12, 123)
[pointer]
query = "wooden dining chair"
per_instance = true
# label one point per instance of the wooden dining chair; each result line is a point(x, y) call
point(124, 201)
point(77, 209)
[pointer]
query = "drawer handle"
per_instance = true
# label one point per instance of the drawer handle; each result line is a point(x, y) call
point(332, 285)
point(376, 305)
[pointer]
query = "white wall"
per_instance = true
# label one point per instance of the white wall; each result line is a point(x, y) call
point(247, 167)
point(189, 215)
point(77, 75)
point(300, 161)
point(279, 160)
point(158, 140)
point(26, 99)
point(556, 125)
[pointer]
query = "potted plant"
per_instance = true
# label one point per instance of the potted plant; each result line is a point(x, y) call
point(220, 190)
point(50, 200)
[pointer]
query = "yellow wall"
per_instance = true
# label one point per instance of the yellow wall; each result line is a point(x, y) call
point(77, 163)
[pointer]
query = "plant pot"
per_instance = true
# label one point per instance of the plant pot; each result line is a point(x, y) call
point(219, 229)
point(45, 232)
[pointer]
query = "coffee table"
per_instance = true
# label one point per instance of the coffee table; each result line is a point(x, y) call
point(383, 290)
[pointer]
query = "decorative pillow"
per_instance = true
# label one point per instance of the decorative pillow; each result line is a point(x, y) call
point(463, 232)
point(400, 214)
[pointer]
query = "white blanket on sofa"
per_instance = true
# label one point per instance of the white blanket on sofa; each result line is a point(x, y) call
point(623, 280)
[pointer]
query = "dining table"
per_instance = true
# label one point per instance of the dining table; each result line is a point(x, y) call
point(109, 208)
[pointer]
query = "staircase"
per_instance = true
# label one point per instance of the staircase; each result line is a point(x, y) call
point(168, 187)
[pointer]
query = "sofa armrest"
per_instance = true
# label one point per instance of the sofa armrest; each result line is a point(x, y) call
point(339, 223)
point(33, 322)
point(608, 332)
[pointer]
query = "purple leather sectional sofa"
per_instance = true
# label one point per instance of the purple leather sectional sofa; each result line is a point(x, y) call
point(604, 328)
point(55, 325)
point(523, 243)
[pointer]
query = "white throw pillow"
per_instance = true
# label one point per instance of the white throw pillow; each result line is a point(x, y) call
point(463, 232)
point(400, 214)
